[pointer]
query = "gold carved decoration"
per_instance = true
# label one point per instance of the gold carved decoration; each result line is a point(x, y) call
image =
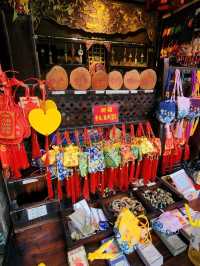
point(96, 16)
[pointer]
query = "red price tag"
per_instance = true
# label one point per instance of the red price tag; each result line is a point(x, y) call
point(105, 114)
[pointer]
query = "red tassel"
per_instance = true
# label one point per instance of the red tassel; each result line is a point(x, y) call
point(102, 182)
point(125, 172)
point(59, 187)
point(77, 184)
point(49, 184)
point(93, 183)
point(131, 172)
point(48, 176)
point(23, 157)
point(165, 163)
point(36, 153)
point(14, 161)
point(98, 180)
point(106, 177)
point(86, 193)
point(121, 180)
point(154, 169)
point(111, 178)
point(73, 188)
point(145, 170)
point(186, 156)
point(138, 169)
point(68, 187)
point(4, 156)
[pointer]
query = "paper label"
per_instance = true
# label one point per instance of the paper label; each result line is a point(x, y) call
point(37, 212)
point(58, 92)
point(148, 91)
point(117, 92)
point(99, 92)
point(80, 92)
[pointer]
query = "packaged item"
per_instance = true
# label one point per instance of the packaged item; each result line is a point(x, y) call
point(131, 230)
point(184, 184)
point(149, 255)
point(77, 257)
point(173, 242)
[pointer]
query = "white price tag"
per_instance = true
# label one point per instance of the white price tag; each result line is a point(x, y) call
point(99, 92)
point(148, 91)
point(29, 181)
point(58, 92)
point(134, 91)
point(37, 212)
point(117, 91)
point(80, 92)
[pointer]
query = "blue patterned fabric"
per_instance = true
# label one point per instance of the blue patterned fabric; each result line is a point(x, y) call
point(96, 161)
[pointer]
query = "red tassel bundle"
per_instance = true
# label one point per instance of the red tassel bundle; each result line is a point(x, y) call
point(77, 185)
point(49, 184)
point(138, 169)
point(126, 177)
point(36, 153)
point(111, 178)
point(68, 187)
point(186, 155)
point(93, 182)
point(86, 193)
point(102, 182)
point(73, 193)
point(59, 187)
point(131, 172)
point(48, 175)
point(145, 169)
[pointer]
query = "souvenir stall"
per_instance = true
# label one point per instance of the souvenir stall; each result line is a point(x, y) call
point(98, 133)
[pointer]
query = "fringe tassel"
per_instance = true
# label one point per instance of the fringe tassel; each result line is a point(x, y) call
point(131, 172)
point(186, 155)
point(48, 176)
point(59, 187)
point(68, 187)
point(102, 182)
point(111, 178)
point(36, 153)
point(138, 169)
point(86, 193)
point(49, 184)
point(125, 172)
point(73, 193)
point(77, 184)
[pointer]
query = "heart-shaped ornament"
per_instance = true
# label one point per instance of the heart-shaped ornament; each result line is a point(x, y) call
point(45, 123)
point(48, 104)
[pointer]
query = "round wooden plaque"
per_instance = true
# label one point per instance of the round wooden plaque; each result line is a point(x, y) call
point(148, 79)
point(132, 80)
point(115, 80)
point(100, 80)
point(80, 79)
point(57, 78)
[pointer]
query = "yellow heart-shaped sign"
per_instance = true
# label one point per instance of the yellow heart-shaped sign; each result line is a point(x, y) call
point(45, 123)
point(48, 104)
